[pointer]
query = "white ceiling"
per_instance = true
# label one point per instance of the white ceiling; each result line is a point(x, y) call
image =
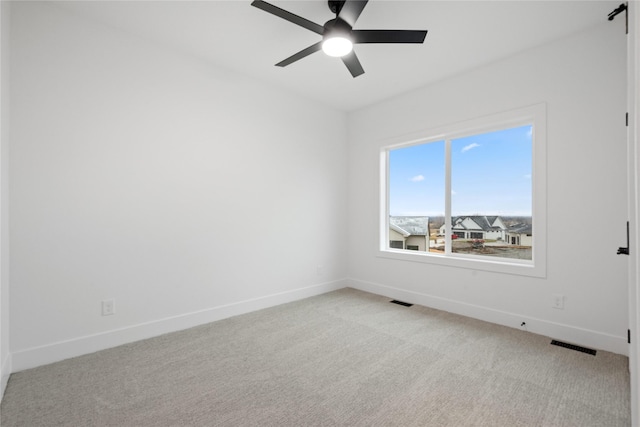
point(462, 35)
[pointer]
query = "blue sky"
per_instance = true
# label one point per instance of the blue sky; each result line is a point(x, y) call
point(491, 175)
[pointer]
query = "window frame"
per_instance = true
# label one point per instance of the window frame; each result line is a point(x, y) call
point(533, 115)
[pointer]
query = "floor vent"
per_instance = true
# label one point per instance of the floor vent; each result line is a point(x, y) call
point(405, 304)
point(574, 347)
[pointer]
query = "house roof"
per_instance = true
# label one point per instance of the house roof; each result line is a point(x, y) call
point(521, 229)
point(484, 222)
point(395, 228)
point(412, 225)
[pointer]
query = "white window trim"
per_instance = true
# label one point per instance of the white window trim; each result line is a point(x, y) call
point(537, 267)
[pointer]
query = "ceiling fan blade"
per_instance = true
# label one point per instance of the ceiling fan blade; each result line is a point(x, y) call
point(388, 36)
point(298, 20)
point(351, 10)
point(353, 64)
point(303, 53)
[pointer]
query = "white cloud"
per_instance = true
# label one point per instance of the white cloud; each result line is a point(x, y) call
point(527, 176)
point(417, 178)
point(469, 147)
point(453, 192)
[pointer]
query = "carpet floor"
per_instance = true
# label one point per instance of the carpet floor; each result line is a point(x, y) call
point(345, 358)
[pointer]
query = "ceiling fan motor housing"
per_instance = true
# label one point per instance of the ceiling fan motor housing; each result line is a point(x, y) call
point(336, 28)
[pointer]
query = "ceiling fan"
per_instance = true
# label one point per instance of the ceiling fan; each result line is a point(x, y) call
point(338, 35)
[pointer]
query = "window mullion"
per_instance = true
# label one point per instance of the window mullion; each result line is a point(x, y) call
point(384, 201)
point(447, 196)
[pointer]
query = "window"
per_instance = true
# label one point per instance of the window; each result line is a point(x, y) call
point(396, 244)
point(479, 185)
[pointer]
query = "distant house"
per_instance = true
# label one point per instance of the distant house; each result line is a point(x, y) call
point(520, 235)
point(409, 232)
point(477, 227)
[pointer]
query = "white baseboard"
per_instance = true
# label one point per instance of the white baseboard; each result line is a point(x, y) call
point(5, 372)
point(50, 353)
point(571, 334)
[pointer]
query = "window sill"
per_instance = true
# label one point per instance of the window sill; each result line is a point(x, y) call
point(503, 266)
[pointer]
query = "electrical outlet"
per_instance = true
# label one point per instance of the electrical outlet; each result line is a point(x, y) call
point(108, 307)
point(558, 301)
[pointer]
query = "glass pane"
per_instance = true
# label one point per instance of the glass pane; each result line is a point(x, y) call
point(416, 196)
point(491, 193)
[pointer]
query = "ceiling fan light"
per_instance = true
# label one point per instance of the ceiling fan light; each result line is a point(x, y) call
point(337, 46)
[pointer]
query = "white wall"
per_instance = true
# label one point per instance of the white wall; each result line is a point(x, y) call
point(184, 191)
point(5, 355)
point(582, 81)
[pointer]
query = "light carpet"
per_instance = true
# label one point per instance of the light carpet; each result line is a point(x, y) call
point(346, 358)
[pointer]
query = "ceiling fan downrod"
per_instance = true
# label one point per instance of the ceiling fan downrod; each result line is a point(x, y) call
point(336, 5)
